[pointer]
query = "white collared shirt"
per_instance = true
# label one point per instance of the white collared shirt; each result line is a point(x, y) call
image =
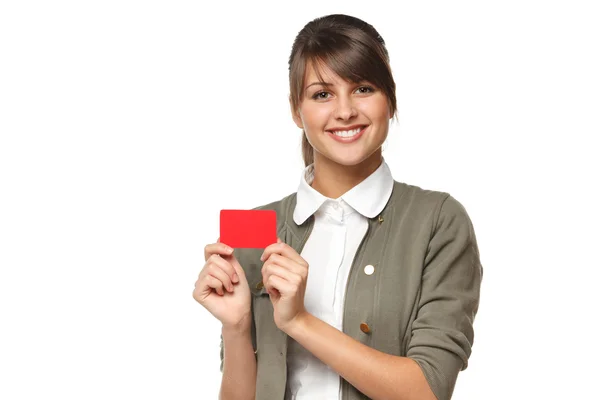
point(340, 225)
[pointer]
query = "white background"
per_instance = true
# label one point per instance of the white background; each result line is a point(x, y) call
point(127, 125)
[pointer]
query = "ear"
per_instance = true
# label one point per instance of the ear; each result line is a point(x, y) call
point(296, 115)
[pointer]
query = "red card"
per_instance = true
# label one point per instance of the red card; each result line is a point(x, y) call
point(248, 228)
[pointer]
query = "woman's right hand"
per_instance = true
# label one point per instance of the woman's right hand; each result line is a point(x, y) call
point(221, 272)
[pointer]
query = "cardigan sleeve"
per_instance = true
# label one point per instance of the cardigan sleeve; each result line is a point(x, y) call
point(442, 333)
point(221, 354)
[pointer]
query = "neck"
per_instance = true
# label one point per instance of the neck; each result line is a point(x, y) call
point(333, 180)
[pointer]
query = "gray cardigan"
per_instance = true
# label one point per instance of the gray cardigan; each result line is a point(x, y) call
point(420, 302)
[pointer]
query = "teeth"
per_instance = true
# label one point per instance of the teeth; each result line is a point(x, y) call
point(347, 133)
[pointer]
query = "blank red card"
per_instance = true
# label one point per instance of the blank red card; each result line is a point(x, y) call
point(248, 228)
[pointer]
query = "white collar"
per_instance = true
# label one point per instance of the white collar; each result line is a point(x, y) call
point(368, 197)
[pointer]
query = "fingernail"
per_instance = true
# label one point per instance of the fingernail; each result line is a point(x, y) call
point(236, 278)
point(229, 250)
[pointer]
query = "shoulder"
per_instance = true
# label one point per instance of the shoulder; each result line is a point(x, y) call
point(280, 205)
point(434, 205)
point(416, 198)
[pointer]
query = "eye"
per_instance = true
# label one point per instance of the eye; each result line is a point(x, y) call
point(365, 89)
point(319, 95)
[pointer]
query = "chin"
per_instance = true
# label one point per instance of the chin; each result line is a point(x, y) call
point(350, 160)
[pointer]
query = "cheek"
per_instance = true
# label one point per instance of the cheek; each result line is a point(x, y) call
point(315, 118)
point(376, 108)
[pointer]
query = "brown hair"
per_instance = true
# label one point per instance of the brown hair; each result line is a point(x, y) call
point(352, 48)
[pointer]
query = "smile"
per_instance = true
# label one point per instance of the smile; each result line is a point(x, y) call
point(349, 135)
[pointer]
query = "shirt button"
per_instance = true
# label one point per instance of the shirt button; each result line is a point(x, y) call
point(369, 269)
point(365, 328)
point(259, 285)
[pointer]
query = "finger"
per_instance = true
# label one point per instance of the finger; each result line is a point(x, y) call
point(278, 286)
point(222, 277)
point(214, 283)
point(282, 272)
point(221, 269)
point(216, 248)
point(237, 268)
point(285, 250)
point(292, 266)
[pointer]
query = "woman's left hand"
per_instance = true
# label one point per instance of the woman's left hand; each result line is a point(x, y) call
point(284, 276)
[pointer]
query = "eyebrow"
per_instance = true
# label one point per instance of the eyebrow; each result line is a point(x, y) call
point(319, 83)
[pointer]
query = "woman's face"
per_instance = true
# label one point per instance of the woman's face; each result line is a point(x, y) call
point(346, 123)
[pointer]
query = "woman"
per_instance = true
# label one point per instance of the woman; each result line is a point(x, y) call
point(387, 309)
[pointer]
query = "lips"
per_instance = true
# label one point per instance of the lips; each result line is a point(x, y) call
point(346, 128)
point(349, 139)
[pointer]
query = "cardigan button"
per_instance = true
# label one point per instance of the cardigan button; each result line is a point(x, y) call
point(369, 269)
point(259, 285)
point(365, 328)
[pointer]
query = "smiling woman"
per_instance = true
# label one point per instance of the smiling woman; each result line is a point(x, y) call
point(388, 307)
point(340, 81)
point(344, 123)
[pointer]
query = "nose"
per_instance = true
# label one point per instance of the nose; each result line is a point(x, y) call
point(345, 109)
